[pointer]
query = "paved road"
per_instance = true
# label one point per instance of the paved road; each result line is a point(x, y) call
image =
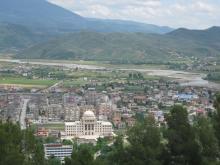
point(53, 86)
point(23, 114)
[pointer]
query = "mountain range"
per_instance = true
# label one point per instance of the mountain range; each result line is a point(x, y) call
point(128, 47)
point(47, 31)
point(44, 16)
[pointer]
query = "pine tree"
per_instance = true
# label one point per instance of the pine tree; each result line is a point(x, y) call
point(216, 118)
point(182, 146)
point(208, 141)
point(145, 143)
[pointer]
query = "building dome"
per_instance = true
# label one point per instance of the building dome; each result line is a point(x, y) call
point(89, 115)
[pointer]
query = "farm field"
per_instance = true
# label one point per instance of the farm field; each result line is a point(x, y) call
point(26, 82)
point(56, 126)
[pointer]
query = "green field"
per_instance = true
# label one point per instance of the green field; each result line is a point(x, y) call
point(23, 81)
point(151, 77)
point(58, 126)
point(74, 83)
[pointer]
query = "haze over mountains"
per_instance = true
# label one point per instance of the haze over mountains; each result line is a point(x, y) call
point(42, 15)
point(39, 29)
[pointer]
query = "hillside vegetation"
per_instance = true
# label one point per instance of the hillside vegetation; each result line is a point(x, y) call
point(208, 37)
point(125, 47)
point(16, 37)
point(56, 33)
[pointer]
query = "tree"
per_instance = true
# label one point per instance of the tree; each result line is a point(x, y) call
point(54, 161)
point(38, 157)
point(208, 141)
point(101, 143)
point(67, 161)
point(19, 147)
point(145, 143)
point(216, 118)
point(11, 144)
point(140, 75)
point(117, 155)
point(130, 75)
point(30, 140)
point(182, 146)
point(82, 155)
point(67, 142)
point(139, 116)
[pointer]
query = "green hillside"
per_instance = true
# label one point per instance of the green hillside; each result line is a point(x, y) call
point(210, 37)
point(15, 37)
point(121, 47)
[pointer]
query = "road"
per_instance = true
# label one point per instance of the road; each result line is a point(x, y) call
point(53, 86)
point(23, 114)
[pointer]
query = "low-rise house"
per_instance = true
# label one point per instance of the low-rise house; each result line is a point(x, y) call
point(130, 121)
point(42, 132)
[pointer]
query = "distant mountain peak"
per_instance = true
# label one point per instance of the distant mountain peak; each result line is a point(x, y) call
point(214, 28)
point(41, 14)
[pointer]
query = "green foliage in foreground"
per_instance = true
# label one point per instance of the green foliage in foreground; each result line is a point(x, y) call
point(11, 144)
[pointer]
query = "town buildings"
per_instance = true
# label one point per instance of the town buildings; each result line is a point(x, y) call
point(72, 112)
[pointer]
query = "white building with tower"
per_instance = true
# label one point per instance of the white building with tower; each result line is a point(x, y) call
point(88, 128)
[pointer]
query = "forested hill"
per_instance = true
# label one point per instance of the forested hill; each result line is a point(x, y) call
point(16, 37)
point(48, 31)
point(210, 37)
point(126, 47)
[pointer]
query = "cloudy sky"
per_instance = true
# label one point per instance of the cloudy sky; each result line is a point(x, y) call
point(197, 14)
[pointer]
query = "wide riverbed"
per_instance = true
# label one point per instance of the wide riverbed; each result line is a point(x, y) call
point(185, 78)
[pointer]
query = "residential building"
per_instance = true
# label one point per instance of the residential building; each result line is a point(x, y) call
point(72, 113)
point(42, 132)
point(57, 150)
point(55, 112)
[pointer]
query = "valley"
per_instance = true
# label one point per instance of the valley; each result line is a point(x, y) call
point(185, 78)
point(113, 82)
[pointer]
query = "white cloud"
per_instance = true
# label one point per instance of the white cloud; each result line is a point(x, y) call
point(175, 13)
point(203, 7)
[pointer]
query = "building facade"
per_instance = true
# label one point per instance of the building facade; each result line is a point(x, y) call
point(72, 113)
point(55, 112)
point(88, 126)
point(42, 132)
point(57, 150)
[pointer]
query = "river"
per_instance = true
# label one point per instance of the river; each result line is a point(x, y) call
point(183, 77)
